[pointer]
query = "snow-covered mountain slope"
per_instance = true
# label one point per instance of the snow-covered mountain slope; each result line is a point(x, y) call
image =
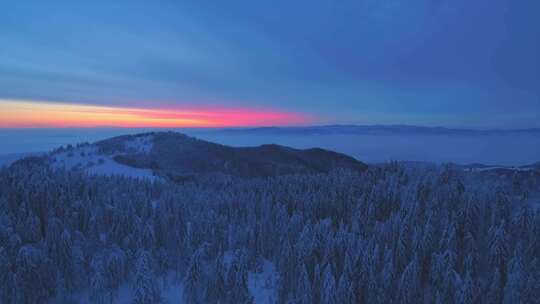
point(92, 159)
point(178, 157)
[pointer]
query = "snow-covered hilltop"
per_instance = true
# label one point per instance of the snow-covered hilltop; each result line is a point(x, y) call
point(179, 157)
point(92, 159)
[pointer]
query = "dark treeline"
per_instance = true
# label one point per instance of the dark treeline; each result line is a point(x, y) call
point(388, 235)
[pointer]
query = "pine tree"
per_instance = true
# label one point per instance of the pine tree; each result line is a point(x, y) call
point(495, 292)
point(115, 270)
point(53, 237)
point(7, 278)
point(468, 291)
point(216, 290)
point(516, 282)
point(98, 280)
point(498, 250)
point(193, 281)
point(32, 229)
point(237, 285)
point(32, 277)
point(343, 288)
point(316, 287)
point(409, 283)
point(304, 291)
point(145, 286)
point(328, 292)
point(148, 238)
point(531, 291)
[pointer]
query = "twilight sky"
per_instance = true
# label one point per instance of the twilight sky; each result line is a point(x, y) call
point(132, 63)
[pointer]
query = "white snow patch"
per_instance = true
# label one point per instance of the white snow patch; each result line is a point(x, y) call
point(262, 286)
point(76, 158)
point(89, 159)
point(171, 293)
point(111, 167)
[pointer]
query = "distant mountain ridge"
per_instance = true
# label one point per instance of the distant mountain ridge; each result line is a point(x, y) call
point(536, 166)
point(179, 157)
point(373, 130)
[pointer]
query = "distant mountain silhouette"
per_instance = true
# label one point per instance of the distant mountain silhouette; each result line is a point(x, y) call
point(536, 166)
point(373, 130)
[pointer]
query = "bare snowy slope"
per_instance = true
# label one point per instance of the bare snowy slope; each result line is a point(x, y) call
point(91, 158)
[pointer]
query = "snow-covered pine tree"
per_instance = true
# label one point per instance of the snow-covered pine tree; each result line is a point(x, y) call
point(194, 287)
point(328, 286)
point(304, 294)
point(98, 280)
point(145, 286)
point(115, 270)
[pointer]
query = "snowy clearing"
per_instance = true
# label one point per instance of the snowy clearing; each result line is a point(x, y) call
point(88, 159)
point(262, 285)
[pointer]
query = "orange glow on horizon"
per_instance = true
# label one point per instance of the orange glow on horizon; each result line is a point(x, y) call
point(28, 114)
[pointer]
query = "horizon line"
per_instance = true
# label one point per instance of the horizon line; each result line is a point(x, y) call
point(248, 127)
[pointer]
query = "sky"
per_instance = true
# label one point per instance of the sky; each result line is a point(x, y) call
point(203, 63)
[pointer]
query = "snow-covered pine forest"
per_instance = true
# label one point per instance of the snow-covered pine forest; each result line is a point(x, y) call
point(392, 234)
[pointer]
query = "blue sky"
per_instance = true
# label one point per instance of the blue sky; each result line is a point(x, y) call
point(425, 62)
